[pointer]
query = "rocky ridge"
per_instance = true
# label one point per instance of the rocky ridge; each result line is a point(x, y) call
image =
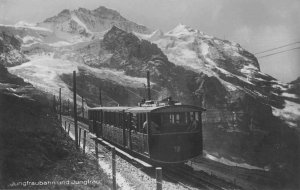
point(10, 54)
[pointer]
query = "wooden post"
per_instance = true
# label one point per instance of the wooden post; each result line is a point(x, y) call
point(84, 140)
point(75, 109)
point(68, 107)
point(54, 103)
point(96, 152)
point(114, 168)
point(65, 132)
point(79, 137)
point(159, 178)
point(69, 128)
point(82, 108)
point(60, 106)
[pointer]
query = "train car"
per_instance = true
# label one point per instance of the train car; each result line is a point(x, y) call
point(159, 133)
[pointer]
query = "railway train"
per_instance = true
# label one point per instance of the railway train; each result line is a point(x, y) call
point(159, 132)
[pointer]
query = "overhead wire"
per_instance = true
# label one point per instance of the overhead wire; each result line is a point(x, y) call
point(272, 49)
point(268, 55)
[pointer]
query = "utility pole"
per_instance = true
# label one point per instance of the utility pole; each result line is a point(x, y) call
point(75, 109)
point(148, 85)
point(82, 108)
point(60, 106)
point(54, 103)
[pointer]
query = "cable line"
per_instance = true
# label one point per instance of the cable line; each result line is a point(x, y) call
point(276, 48)
point(268, 55)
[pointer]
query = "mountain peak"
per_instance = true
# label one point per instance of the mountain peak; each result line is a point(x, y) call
point(83, 21)
point(108, 13)
point(102, 8)
point(64, 12)
point(182, 29)
point(83, 10)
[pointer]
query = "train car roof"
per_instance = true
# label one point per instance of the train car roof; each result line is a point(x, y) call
point(154, 109)
point(167, 108)
point(116, 108)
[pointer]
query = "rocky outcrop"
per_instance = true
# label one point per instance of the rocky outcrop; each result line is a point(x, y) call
point(10, 54)
point(295, 87)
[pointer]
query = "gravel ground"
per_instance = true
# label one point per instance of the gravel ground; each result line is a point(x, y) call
point(129, 176)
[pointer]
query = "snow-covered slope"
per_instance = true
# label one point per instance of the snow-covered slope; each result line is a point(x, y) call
point(44, 73)
point(202, 53)
point(236, 68)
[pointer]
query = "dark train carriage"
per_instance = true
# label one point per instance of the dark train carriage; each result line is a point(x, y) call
point(165, 134)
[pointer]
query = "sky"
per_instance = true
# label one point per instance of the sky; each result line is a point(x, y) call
point(257, 25)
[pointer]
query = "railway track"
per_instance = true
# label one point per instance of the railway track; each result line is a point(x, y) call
point(186, 177)
point(243, 173)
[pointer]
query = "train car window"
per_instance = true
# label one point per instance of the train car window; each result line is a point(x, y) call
point(177, 118)
point(172, 118)
point(134, 121)
point(197, 116)
point(177, 122)
point(156, 118)
point(192, 116)
point(144, 118)
point(138, 123)
point(141, 118)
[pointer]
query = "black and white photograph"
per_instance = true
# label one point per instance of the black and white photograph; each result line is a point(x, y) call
point(150, 95)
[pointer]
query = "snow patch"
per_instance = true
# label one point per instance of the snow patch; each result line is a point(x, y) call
point(181, 30)
point(116, 76)
point(76, 19)
point(290, 113)
point(288, 95)
point(60, 44)
point(229, 86)
point(23, 24)
point(231, 163)
point(28, 39)
point(249, 69)
point(44, 72)
point(204, 49)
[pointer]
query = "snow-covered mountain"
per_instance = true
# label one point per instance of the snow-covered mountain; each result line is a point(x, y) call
point(245, 107)
point(87, 23)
